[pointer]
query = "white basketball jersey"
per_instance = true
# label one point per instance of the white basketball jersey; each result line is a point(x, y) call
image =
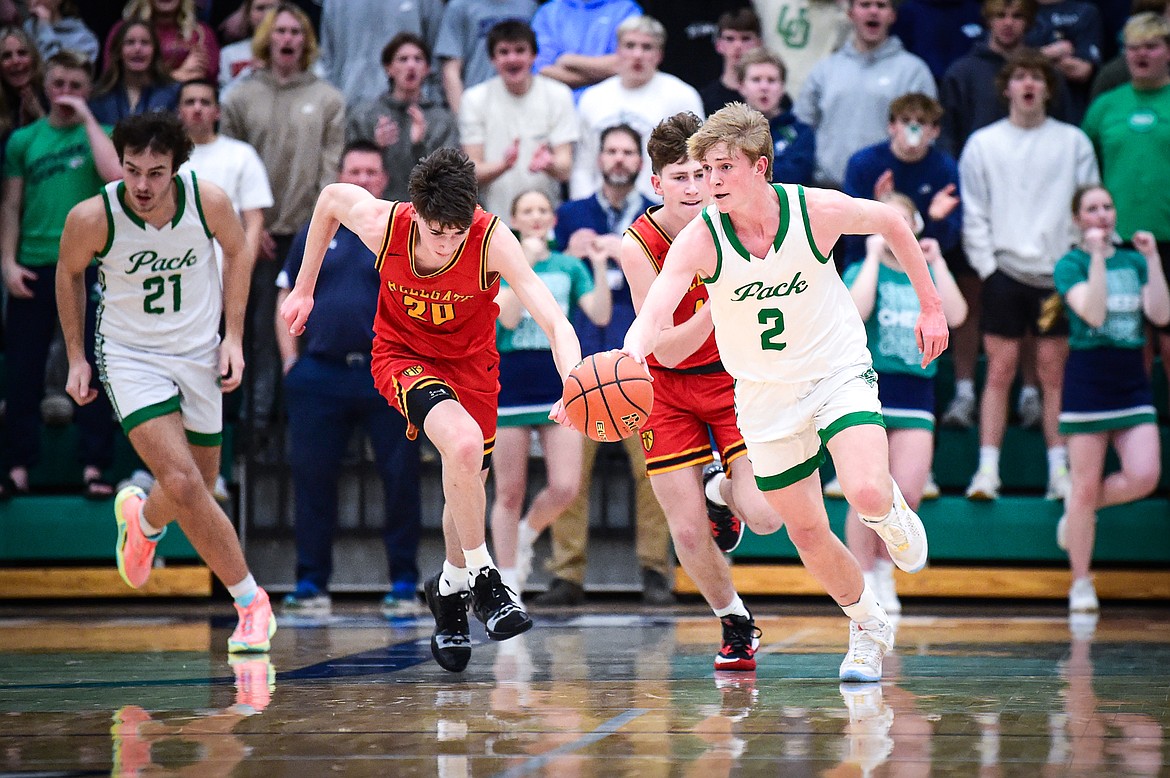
point(160, 287)
point(786, 317)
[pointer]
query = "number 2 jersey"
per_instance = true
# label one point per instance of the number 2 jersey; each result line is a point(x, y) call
point(161, 288)
point(786, 317)
point(447, 313)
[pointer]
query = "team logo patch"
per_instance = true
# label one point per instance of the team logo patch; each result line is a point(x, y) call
point(870, 377)
point(648, 439)
point(412, 371)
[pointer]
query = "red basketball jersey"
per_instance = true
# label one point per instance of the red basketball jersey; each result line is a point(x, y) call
point(447, 313)
point(655, 243)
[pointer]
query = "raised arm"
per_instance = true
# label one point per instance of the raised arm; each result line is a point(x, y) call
point(84, 236)
point(239, 257)
point(693, 252)
point(507, 258)
point(1155, 296)
point(347, 204)
point(675, 342)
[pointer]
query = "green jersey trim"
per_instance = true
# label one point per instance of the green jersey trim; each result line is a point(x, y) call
point(808, 228)
point(199, 206)
point(718, 247)
point(770, 483)
point(109, 224)
point(164, 408)
point(205, 439)
point(851, 420)
point(781, 231)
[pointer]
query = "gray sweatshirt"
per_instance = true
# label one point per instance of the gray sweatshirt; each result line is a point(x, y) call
point(846, 99)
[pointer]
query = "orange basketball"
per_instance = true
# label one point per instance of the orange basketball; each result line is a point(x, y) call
point(608, 396)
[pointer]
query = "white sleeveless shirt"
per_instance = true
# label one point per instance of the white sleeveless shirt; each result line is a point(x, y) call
point(161, 288)
point(785, 317)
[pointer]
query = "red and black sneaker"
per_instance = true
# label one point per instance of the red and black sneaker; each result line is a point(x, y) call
point(741, 638)
point(726, 528)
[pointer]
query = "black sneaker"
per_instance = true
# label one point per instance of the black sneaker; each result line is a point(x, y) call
point(451, 640)
point(741, 638)
point(656, 589)
point(495, 605)
point(725, 528)
point(562, 593)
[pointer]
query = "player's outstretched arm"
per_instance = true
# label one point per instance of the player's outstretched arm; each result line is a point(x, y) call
point(693, 252)
point(84, 236)
point(238, 261)
point(348, 204)
point(833, 214)
point(675, 342)
point(507, 258)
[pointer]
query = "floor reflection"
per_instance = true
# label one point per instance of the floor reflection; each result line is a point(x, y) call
point(596, 695)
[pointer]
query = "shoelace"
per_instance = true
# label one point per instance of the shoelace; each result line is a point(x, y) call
point(498, 594)
point(866, 649)
point(738, 639)
point(453, 620)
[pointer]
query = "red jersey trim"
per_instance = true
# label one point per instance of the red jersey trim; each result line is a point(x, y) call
point(651, 252)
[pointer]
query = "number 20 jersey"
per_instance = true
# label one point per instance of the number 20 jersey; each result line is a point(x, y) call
point(786, 317)
point(161, 288)
point(442, 314)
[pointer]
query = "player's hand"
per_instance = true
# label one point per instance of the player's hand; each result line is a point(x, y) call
point(559, 415)
point(932, 334)
point(1145, 243)
point(77, 383)
point(17, 279)
point(295, 311)
point(231, 364)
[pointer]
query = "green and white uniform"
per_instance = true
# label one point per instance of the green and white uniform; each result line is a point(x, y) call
point(158, 319)
point(791, 336)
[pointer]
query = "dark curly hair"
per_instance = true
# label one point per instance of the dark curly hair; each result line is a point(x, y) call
point(668, 141)
point(443, 189)
point(157, 131)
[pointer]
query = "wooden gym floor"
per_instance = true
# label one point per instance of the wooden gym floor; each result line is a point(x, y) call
point(990, 689)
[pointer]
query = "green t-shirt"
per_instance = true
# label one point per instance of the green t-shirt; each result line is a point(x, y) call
point(1131, 132)
point(59, 172)
point(1125, 275)
point(568, 280)
point(890, 328)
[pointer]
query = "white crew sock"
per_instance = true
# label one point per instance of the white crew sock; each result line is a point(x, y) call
point(735, 607)
point(865, 609)
point(453, 579)
point(150, 531)
point(989, 459)
point(711, 489)
point(244, 592)
point(1057, 459)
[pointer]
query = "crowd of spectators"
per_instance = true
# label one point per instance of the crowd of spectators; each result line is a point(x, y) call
point(987, 116)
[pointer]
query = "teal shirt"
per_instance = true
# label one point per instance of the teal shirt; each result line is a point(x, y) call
point(568, 280)
point(1125, 275)
point(890, 328)
point(58, 170)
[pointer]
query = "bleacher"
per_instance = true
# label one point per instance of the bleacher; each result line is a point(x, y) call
point(56, 543)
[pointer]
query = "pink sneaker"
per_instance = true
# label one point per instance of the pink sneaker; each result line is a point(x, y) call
point(256, 628)
point(134, 551)
point(255, 683)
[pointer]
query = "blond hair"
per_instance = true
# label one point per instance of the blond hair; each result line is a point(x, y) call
point(743, 129)
point(1145, 27)
point(144, 10)
point(262, 40)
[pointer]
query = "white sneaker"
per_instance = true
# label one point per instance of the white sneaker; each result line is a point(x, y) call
point(885, 590)
point(1059, 483)
point(903, 533)
point(960, 413)
point(868, 731)
point(984, 486)
point(1082, 598)
point(1062, 532)
point(930, 490)
point(833, 490)
point(1030, 409)
point(868, 644)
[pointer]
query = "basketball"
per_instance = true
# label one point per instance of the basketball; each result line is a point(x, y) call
point(608, 396)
